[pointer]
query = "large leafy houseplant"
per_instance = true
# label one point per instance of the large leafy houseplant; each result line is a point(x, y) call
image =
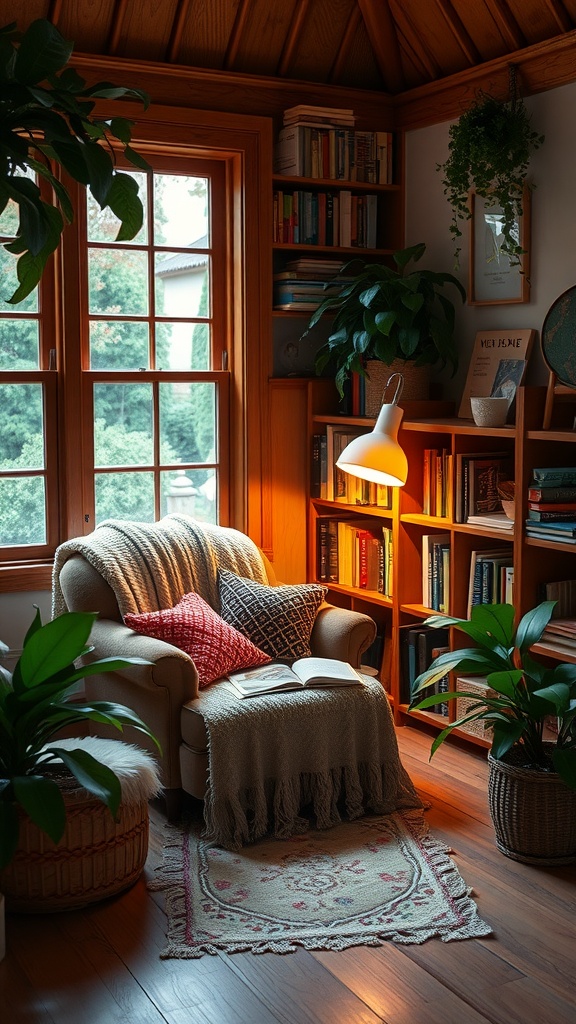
point(489, 152)
point(388, 313)
point(528, 692)
point(47, 120)
point(35, 705)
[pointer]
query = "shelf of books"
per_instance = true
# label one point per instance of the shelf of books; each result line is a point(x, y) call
point(465, 530)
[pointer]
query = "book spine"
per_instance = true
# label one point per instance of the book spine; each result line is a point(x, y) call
point(315, 468)
point(563, 476)
point(549, 517)
point(323, 574)
point(552, 494)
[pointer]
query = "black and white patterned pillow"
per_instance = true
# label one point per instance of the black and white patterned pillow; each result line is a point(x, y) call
point(278, 620)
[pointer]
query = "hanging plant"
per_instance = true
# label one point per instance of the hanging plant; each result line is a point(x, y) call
point(490, 148)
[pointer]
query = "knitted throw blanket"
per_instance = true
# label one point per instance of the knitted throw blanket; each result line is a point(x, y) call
point(333, 749)
point(151, 565)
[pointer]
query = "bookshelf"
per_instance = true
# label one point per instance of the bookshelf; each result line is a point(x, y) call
point(433, 425)
point(309, 227)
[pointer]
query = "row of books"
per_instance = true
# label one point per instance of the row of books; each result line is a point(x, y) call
point(330, 483)
point(477, 476)
point(314, 150)
point(353, 556)
point(419, 646)
point(491, 578)
point(436, 571)
point(304, 217)
point(552, 504)
point(437, 497)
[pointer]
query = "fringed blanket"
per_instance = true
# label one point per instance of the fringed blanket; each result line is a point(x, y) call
point(152, 565)
point(333, 749)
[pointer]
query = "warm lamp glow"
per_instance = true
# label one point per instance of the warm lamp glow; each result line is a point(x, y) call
point(377, 456)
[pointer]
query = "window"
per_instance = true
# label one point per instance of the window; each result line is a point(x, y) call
point(143, 397)
point(154, 333)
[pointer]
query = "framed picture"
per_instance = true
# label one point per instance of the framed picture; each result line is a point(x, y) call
point(497, 366)
point(493, 280)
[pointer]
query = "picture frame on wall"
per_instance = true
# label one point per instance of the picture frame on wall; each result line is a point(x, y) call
point(492, 279)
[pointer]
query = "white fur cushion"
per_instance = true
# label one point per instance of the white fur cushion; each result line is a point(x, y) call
point(137, 770)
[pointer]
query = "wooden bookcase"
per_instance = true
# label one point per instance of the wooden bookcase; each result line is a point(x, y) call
point(433, 425)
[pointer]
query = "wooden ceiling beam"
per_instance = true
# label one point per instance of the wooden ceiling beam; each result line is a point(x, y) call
point(459, 31)
point(506, 23)
point(381, 30)
point(233, 47)
point(542, 66)
point(118, 12)
point(177, 31)
point(420, 54)
point(560, 15)
point(293, 37)
point(339, 62)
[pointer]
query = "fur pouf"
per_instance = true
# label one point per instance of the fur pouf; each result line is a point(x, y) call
point(136, 769)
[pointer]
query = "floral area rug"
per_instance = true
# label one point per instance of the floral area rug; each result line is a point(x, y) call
point(360, 883)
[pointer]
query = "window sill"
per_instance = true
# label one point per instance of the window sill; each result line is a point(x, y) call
point(22, 576)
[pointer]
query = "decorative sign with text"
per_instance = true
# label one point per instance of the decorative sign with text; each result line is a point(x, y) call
point(497, 365)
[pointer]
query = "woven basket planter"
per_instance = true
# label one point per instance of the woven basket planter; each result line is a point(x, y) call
point(416, 382)
point(533, 813)
point(97, 856)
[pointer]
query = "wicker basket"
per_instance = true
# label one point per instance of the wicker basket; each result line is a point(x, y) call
point(97, 857)
point(533, 813)
point(416, 382)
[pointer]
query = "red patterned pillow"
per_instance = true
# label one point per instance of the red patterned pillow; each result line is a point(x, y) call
point(215, 647)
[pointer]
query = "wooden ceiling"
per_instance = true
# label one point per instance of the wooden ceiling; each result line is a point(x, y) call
point(394, 46)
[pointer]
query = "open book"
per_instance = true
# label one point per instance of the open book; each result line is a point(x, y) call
point(306, 672)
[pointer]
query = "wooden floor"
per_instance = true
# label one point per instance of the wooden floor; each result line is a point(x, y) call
point(102, 966)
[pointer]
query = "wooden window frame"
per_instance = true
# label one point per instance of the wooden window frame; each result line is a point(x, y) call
point(244, 145)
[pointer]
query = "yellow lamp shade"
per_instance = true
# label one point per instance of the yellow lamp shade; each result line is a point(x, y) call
point(377, 456)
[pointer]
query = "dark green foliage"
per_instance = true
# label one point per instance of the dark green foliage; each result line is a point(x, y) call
point(490, 148)
point(529, 692)
point(34, 706)
point(46, 118)
point(385, 313)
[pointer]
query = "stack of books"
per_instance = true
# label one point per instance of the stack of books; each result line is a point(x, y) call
point(552, 504)
point(304, 284)
point(561, 633)
point(320, 142)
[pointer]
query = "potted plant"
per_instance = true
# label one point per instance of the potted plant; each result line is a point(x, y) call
point(46, 119)
point(532, 782)
point(35, 705)
point(391, 315)
point(489, 151)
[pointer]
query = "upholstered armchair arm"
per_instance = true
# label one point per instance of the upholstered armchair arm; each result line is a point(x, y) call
point(342, 633)
point(156, 692)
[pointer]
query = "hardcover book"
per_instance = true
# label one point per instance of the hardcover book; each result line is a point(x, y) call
point(306, 672)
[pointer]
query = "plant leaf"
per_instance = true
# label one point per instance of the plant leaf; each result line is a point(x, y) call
point(565, 764)
point(42, 800)
point(97, 778)
point(42, 52)
point(532, 625)
point(55, 647)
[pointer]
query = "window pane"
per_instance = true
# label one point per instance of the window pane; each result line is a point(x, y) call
point(123, 425)
point(22, 511)
point(9, 283)
point(183, 346)
point(118, 345)
point(182, 284)
point(103, 225)
point(18, 344)
point(192, 491)
point(118, 282)
point(21, 426)
point(180, 210)
point(124, 496)
point(187, 422)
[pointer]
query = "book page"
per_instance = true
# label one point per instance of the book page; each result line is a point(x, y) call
point(273, 674)
point(325, 671)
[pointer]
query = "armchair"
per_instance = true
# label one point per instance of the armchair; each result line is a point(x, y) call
point(138, 567)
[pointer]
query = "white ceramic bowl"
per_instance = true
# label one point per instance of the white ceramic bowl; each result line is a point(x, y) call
point(489, 412)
